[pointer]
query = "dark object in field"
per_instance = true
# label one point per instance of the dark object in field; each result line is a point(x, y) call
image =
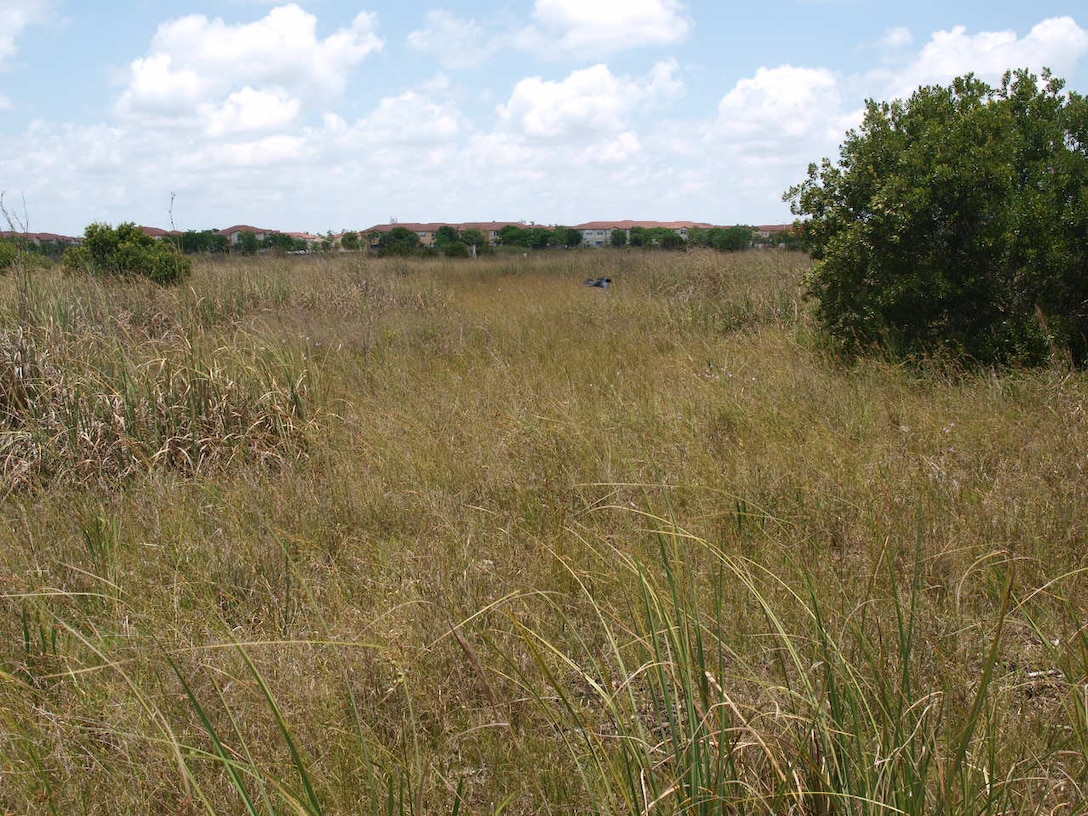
point(603, 283)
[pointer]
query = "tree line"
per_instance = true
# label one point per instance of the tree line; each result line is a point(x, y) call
point(451, 242)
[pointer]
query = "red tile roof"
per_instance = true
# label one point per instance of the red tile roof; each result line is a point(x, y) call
point(625, 225)
point(245, 228)
point(38, 237)
point(415, 226)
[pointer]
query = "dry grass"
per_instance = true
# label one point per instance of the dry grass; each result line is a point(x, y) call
point(342, 536)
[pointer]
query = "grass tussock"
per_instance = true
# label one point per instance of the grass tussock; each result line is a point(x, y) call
point(332, 536)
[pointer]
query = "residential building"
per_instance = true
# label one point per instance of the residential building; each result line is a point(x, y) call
point(40, 238)
point(429, 231)
point(599, 233)
point(234, 234)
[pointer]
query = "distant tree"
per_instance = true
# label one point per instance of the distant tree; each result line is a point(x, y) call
point(513, 235)
point(669, 239)
point(53, 250)
point(282, 243)
point(372, 240)
point(636, 236)
point(192, 242)
point(127, 252)
point(618, 238)
point(566, 237)
point(204, 241)
point(541, 237)
point(456, 249)
point(248, 243)
point(792, 240)
point(730, 239)
point(349, 241)
point(445, 236)
point(399, 241)
point(220, 244)
point(473, 237)
point(10, 250)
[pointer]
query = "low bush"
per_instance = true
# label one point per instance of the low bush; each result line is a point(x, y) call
point(127, 251)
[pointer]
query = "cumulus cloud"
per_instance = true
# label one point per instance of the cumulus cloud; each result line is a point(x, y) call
point(414, 118)
point(604, 26)
point(456, 43)
point(15, 17)
point(248, 110)
point(255, 153)
point(588, 101)
point(257, 75)
point(1057, 43)
point(778, 104)
point(622, 149)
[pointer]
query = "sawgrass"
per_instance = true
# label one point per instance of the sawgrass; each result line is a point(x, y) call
point(340, 535)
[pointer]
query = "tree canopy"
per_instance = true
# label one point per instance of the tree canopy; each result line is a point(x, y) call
point(956, 221)
point(726, 239)
point(127, 251)
point(399, 241)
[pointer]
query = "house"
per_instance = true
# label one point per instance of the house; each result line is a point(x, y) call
point(234, 234)
point(768, 230)
point(490, 229)
point(309, 238)
point(599, 233)
point(158, 234)
point(40, 238)
point(427, 232)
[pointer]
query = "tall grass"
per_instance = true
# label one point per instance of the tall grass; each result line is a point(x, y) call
point(331, 536)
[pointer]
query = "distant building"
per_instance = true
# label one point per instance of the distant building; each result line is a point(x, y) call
point(234, 234)
point(599, 233)
point(43, 238)
point(768, 230)
point(427, 232)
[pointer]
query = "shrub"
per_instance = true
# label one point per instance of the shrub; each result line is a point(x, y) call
point(956, 221)
point(127, 251)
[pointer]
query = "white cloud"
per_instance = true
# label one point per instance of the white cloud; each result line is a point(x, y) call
point(622, 149)
point(604, 26)
point(592, 100)
point(1057, 43)
point(250, 110)
point(256, 154)
point(782, 105)
point(412, 118)
point(895, 38)
point(246, 76)
point(15, 17)
point(157, 88)
point(455, 42)
point(765, 131)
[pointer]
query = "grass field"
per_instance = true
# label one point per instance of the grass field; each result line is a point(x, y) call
point(347, 536)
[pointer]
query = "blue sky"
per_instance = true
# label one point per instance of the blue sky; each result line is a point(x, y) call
point(326, 115)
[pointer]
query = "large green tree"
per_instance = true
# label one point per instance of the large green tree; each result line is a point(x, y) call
point(956, 220)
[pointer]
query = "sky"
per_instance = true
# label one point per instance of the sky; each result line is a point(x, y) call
point(329, 115)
